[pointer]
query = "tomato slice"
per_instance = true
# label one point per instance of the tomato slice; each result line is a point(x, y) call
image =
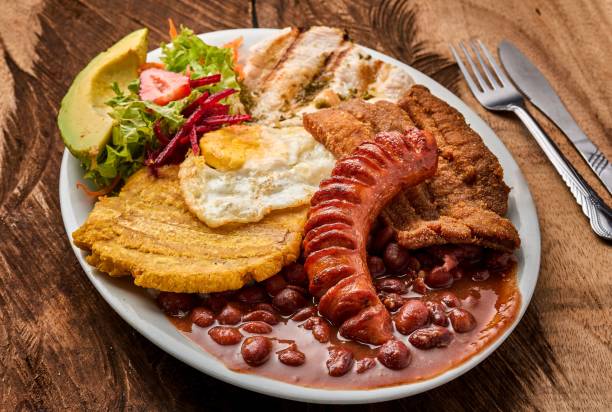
point(161, 86)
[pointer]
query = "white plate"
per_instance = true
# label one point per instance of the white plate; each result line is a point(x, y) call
point(137, 308)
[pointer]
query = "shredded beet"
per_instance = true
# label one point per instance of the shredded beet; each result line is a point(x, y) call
point(220, 95)
point(208, 100)
point(159, 133)
point(203, 115)
point(226, 119)
point(217, 110)
point(203, 81)
point(191, 121)
point(167, 151)
point(205, 129)
point(187, 111)
point(193, 139)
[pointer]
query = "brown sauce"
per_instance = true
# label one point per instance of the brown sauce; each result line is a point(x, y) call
point(493, 302)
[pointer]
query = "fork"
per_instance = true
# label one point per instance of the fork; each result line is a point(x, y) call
point(497, 93)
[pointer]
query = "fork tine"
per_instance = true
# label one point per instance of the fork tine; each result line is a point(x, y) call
point(500, 73)
point(464, 70)
point(483, 85)
point(492, 80)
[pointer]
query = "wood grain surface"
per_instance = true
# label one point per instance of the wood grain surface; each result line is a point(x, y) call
point(63, 348)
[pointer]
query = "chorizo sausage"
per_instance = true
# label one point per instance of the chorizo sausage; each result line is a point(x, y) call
point(341, 215)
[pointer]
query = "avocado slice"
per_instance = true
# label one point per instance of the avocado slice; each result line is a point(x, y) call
point(83, 117)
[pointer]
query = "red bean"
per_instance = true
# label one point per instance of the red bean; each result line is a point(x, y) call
point(462, 320)
point(320, 328)
point(437, 313)
point(426, 259)
point(439, 278)
point(394, 355)
point(364, 365)
point(256, 350)
point(225, 335)
point(411, 316)
point(216, 302)
point(392, 301)
point(275, 284)
point(252, 294)
point(376, 266)
point(418, 286)
point(395, 258)
point(431, 337)
point(296, 275)
point(391, 285)
point(450, 300)
point(413, 266)
point(500, 262)
point(304, 313)
point(340, 361)
point(230, 315)
point(202, 317)
point(264, 306)
point(291, 356)
point(480, 275)
point(321, 332)
point(369, 242)
point(261, 315)
point(380, 239)
point(257, 327)
point(288, 301)
point(310, 322)
point(302, 291)
point(176, 304)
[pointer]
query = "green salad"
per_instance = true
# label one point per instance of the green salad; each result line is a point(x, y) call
point(155, 116)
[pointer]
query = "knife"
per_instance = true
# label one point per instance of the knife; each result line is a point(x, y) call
point(532, 83)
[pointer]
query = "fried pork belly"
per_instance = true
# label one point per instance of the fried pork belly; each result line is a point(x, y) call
point(148, 232)
point(463, 203)
point(299, 72)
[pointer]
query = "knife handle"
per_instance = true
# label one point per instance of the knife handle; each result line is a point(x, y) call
point(590, 153)
point(599, 214)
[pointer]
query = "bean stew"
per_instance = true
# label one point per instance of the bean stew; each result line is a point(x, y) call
point(447, 303)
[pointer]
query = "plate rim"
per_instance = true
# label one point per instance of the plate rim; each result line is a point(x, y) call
point(183, 349)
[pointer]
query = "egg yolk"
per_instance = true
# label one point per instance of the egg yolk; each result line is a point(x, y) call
point(226, 149)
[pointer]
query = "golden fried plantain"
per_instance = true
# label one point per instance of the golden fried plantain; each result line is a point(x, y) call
point(148, 232)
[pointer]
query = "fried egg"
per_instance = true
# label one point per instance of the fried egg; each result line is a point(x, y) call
point(247, 171)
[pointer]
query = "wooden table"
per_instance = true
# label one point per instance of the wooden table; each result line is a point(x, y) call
point(63, 347)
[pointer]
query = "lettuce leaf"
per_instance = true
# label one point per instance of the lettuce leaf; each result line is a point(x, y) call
point(189, 51)
point(133, 133)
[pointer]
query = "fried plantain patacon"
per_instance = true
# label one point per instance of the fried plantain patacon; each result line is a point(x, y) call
point(148, 232)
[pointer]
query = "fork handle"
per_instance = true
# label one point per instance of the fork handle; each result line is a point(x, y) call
point(599, 214)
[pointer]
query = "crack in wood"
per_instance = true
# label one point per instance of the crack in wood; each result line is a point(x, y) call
point(254, 21)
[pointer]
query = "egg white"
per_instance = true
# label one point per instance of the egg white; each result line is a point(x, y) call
point(282, 168)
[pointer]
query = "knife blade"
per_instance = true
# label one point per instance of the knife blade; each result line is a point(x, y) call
point(532, 83)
